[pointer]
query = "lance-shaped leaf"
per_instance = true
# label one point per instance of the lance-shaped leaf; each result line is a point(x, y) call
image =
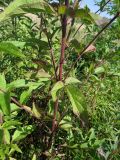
point(77, 99)
point(5, 102)
point(18, 7)
point(78, 103)
point(2, 82)
point(59, 85)
point(4, 96)
point(16, 84)
point(9, 48)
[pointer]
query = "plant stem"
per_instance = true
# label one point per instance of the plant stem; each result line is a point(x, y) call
point(54, 124)
point(97, 35)
point(63, 43)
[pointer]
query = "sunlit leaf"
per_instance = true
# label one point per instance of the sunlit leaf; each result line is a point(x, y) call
point(16, 84)
point(59, 85)
point(22, 132)
point(77, 99)
point(99, 70)
point(19, 7)
point(5, 102)
point(9, 48)
point(71, 80)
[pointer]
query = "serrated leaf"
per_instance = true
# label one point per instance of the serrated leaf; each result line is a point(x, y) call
point(59, 85)
point(22, 132)
point(77, 99)
point(9, 48)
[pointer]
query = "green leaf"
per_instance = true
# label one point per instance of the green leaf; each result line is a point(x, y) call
point(84, 14)
point(55, 89)
point(14, 107)
point(5, 102)
point(34, 157)
point(2, 82)
point(92, 134)
point(16, 84)
point(11, 124)
point(36, 111)
point(1, 136)
point(19, 7)
point(71, 80)
point(22, 132)
point(66, 123)
point(84, 145)
point(14, 147)
point(16, 43)
point(42, 74)
point(99, 70)
point(9, 48)
point(26, 94)
point(6, 136)
point(77, 99)
point(62, 9)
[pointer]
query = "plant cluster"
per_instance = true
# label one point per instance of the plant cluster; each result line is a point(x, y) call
point(59, 81)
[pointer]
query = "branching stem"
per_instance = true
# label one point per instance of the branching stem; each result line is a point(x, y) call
point(97, 35)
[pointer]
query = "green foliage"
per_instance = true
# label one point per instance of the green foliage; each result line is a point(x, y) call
point(50, 106)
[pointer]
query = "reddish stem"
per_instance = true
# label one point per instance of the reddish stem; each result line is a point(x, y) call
point(63, 43)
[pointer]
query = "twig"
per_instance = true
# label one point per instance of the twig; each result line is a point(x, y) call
point(19, 104)
point(100, 9)
point(52, 58)
point(97, 35)
point(51, 50)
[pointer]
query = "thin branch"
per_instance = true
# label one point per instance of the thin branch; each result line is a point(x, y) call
point(19, 104)
point(97, 35)
point(73, 20)
point(52, 58)
point(51, 50)
point(100, 9)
